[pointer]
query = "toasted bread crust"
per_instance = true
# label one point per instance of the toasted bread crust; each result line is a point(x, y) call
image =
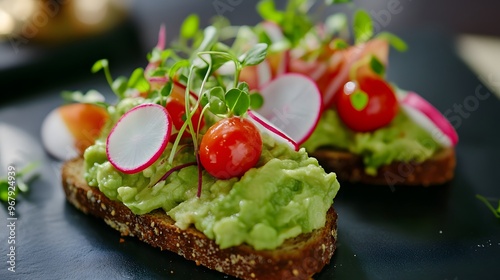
point(297, 258)
point(350, 168)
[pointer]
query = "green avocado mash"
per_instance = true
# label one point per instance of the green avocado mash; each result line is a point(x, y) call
point(401, 140)
point(286, 194)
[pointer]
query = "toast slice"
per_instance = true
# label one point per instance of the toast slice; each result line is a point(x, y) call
point(349, 167)
point(298, 258)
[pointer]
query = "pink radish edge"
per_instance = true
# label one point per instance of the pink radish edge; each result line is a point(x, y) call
point(270, 128)
point(194, 95)
point(156, 155)
point(162, 37)
point(417, 102)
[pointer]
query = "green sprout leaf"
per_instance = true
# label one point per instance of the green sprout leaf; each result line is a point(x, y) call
point(154, 55)
point(495, 212)
point(159, 72)
point(339, 44)
point(244, 86)
point(204, 100)
point(359, 100)
point(255, 55)
point(190, 26)
point(377, 66)
point(220, 58)
point(396, 42)
point(363, 26)
point(256, 101)
point(336, 24)
point(216, 102)
point(91, 97)
point(166, 90)
point(238, 101)
point(4, 190)
point(267, 11)
point(19, 184)
point(178, 65)
point(217, 92)
point(209, 39)
point(120, 86)
point(100, 64)
point(138, 81)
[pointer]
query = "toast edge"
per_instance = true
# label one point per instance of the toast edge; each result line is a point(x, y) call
point(349, 167)
point(297, 258)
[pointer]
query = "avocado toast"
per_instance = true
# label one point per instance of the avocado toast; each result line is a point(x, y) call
point(370, 131)
point(184, 165)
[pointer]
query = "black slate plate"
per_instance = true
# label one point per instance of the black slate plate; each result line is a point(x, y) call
point(442, 232)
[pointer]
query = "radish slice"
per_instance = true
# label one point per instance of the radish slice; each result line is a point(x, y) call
point(428, 117)
point(264, 74)
point(292, 103)
point(266, 126)
point(138, 138)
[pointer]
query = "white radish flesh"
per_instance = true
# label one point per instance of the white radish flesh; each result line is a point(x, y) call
point(139, 138)
point(429, 118)
point(267, 127)
point(292, 103)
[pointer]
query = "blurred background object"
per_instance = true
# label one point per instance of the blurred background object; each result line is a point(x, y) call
point(55, 21)
point(49, 41)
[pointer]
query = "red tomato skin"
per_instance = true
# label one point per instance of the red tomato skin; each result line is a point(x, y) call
point(177, 111)
point(381, 109)
point(230, 148)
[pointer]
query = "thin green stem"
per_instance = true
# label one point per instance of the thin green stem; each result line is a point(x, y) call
point(237, 73)
point(496, 212)
point(107, 73)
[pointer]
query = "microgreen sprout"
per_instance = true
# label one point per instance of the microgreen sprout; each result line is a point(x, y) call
point(21, 183)
point(495, 212)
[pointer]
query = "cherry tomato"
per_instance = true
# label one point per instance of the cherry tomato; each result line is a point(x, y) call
point(230, 148)
point(177, 110)
point(378, 104)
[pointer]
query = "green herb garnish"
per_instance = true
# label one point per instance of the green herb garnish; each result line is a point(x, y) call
point(20, 183)
point(495, 212)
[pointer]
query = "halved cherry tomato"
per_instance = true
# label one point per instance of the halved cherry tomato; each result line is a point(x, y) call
point(177, 110)
point(84, 121)
point(230, 148)
point(377, 111)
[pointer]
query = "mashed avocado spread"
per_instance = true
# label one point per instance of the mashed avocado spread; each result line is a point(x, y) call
point(287, 193)
point(401, 140)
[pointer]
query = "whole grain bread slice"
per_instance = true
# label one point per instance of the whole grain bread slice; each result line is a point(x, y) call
point(349, 167)
point(297, 258)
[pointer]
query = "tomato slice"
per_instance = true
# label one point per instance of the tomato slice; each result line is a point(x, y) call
point(367, 104)
point(230, 148)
